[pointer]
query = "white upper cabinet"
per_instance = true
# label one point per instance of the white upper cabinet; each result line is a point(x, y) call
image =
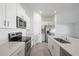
point(7, 15)
point(11, 15)
point(20, 11)
point(2, 16)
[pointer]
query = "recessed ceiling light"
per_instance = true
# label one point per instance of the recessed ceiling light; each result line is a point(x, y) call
point(40, 12)
point(55, 12)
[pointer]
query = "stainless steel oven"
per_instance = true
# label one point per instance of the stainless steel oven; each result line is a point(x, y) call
point(20, 22)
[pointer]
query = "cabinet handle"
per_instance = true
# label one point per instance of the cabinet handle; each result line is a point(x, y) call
point(4, 22)
point(7, 23)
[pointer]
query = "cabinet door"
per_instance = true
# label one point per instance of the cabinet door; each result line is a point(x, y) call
point(51, 46)
point(11, 15)
point(56, 49)
point(2, 15)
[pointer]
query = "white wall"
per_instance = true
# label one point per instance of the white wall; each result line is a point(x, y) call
point(65, 29)
point(37, 26)
point(36, 37)
point(68, 29)
point(36, 23)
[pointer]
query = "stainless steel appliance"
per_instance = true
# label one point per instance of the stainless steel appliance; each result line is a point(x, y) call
point(20, 23)
point(17, 37)
point(45, 32)
point(27, 41)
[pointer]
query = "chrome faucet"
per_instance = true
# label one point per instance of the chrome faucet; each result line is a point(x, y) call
point(66, 37)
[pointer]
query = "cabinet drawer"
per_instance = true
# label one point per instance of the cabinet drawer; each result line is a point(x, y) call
point(56, 49)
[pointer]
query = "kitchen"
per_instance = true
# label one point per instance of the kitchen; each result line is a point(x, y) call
point(21, 26)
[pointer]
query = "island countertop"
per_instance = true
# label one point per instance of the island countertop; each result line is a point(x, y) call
point(8, 48)
point(13, 46)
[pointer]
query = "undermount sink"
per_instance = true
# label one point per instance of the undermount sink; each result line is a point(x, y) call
point(61, 40)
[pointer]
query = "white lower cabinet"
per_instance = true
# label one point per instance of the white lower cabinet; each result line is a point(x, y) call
point(56, 49)
point(19, 52)
point(50, 46)
point(53, 47)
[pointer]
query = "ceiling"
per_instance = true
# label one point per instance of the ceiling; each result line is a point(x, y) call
point(66, 12)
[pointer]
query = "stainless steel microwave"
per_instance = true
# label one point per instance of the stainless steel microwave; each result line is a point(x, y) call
point(20, 23)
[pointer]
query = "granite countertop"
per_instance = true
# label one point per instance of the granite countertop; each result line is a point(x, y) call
point(7, 48)
point(72, 47)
